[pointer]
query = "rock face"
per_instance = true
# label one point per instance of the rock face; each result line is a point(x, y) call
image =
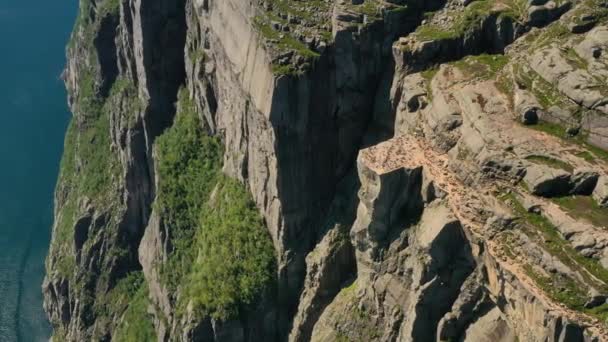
point(601, 192)
point(547, 181)
point(424, 171)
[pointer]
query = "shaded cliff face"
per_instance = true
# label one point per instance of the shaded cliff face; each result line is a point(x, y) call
point(333, 170)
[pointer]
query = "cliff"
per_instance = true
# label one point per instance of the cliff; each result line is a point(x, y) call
point(333, 170)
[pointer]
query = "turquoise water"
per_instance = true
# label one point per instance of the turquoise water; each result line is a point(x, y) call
point(33, 118)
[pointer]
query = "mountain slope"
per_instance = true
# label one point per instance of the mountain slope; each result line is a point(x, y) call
point(334, 171)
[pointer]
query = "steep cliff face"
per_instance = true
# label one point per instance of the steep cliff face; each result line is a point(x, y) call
point(333, 170)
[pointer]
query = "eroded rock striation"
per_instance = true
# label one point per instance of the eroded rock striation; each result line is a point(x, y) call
point(333, 170)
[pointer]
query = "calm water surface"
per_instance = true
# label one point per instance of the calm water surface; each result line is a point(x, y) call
point(33, 118)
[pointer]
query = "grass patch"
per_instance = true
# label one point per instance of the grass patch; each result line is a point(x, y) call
point(584, 207)
point(552, 162)
point(472, 18)
point(568, 291)
point(547, 235)
point(505, 84)
point(283, 41)
point(575, 60)
point(561, 287)
point(586, 155)
point(429, 74)
point(484, 66)
point(545, 92)
point(593, 152)
point(557, 31)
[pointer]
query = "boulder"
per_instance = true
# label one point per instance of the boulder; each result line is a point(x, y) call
point(583, 181)
point(582, 25)
point(527, 107)
point(600, 194)
point(490, 328)
point(546, 181)
point(596, 125)
point(595, 300)
point(541, 15)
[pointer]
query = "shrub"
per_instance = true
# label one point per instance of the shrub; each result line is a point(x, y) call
point(235, 257)
point(222, 256)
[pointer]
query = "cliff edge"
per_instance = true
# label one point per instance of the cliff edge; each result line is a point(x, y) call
point(333, 170)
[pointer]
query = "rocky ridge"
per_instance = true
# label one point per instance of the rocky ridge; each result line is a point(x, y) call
point(425, 170)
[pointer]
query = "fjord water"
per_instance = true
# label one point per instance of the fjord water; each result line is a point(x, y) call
point(33, 118)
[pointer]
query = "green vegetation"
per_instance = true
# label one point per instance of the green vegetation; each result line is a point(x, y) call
point(83, 22)
point(483, 66)
point(377, 9)
point(360, 322)
point(223, 258)
point(547, 235)
point(189, 163)
point(290, 14)
point(584, 207)
point(88, 168)
point(284, 42)
point(118, 298)
point(548, 96)
point(197, 55)
point(505, 84)
point(516, 9)
point(552, 162)
point(586, 155)
point(311, 19)
point(546, 93)
point(108, 7)
point(590, 7)
point(472, 17)
point(575, 60)
point(131, 294)
point(557, 31)
point(235, 261)
point(429, 75)
point(567, 291)
point(592, 152)
point(350, 290)
point(369, 8)
point(562, 288)
point(373, 9)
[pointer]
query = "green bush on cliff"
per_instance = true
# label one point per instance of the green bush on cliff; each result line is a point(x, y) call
point(136, 323)
point(235, 257)
point(189, 162)
point(88, 168)
point(89, 163)
point(222, 257)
